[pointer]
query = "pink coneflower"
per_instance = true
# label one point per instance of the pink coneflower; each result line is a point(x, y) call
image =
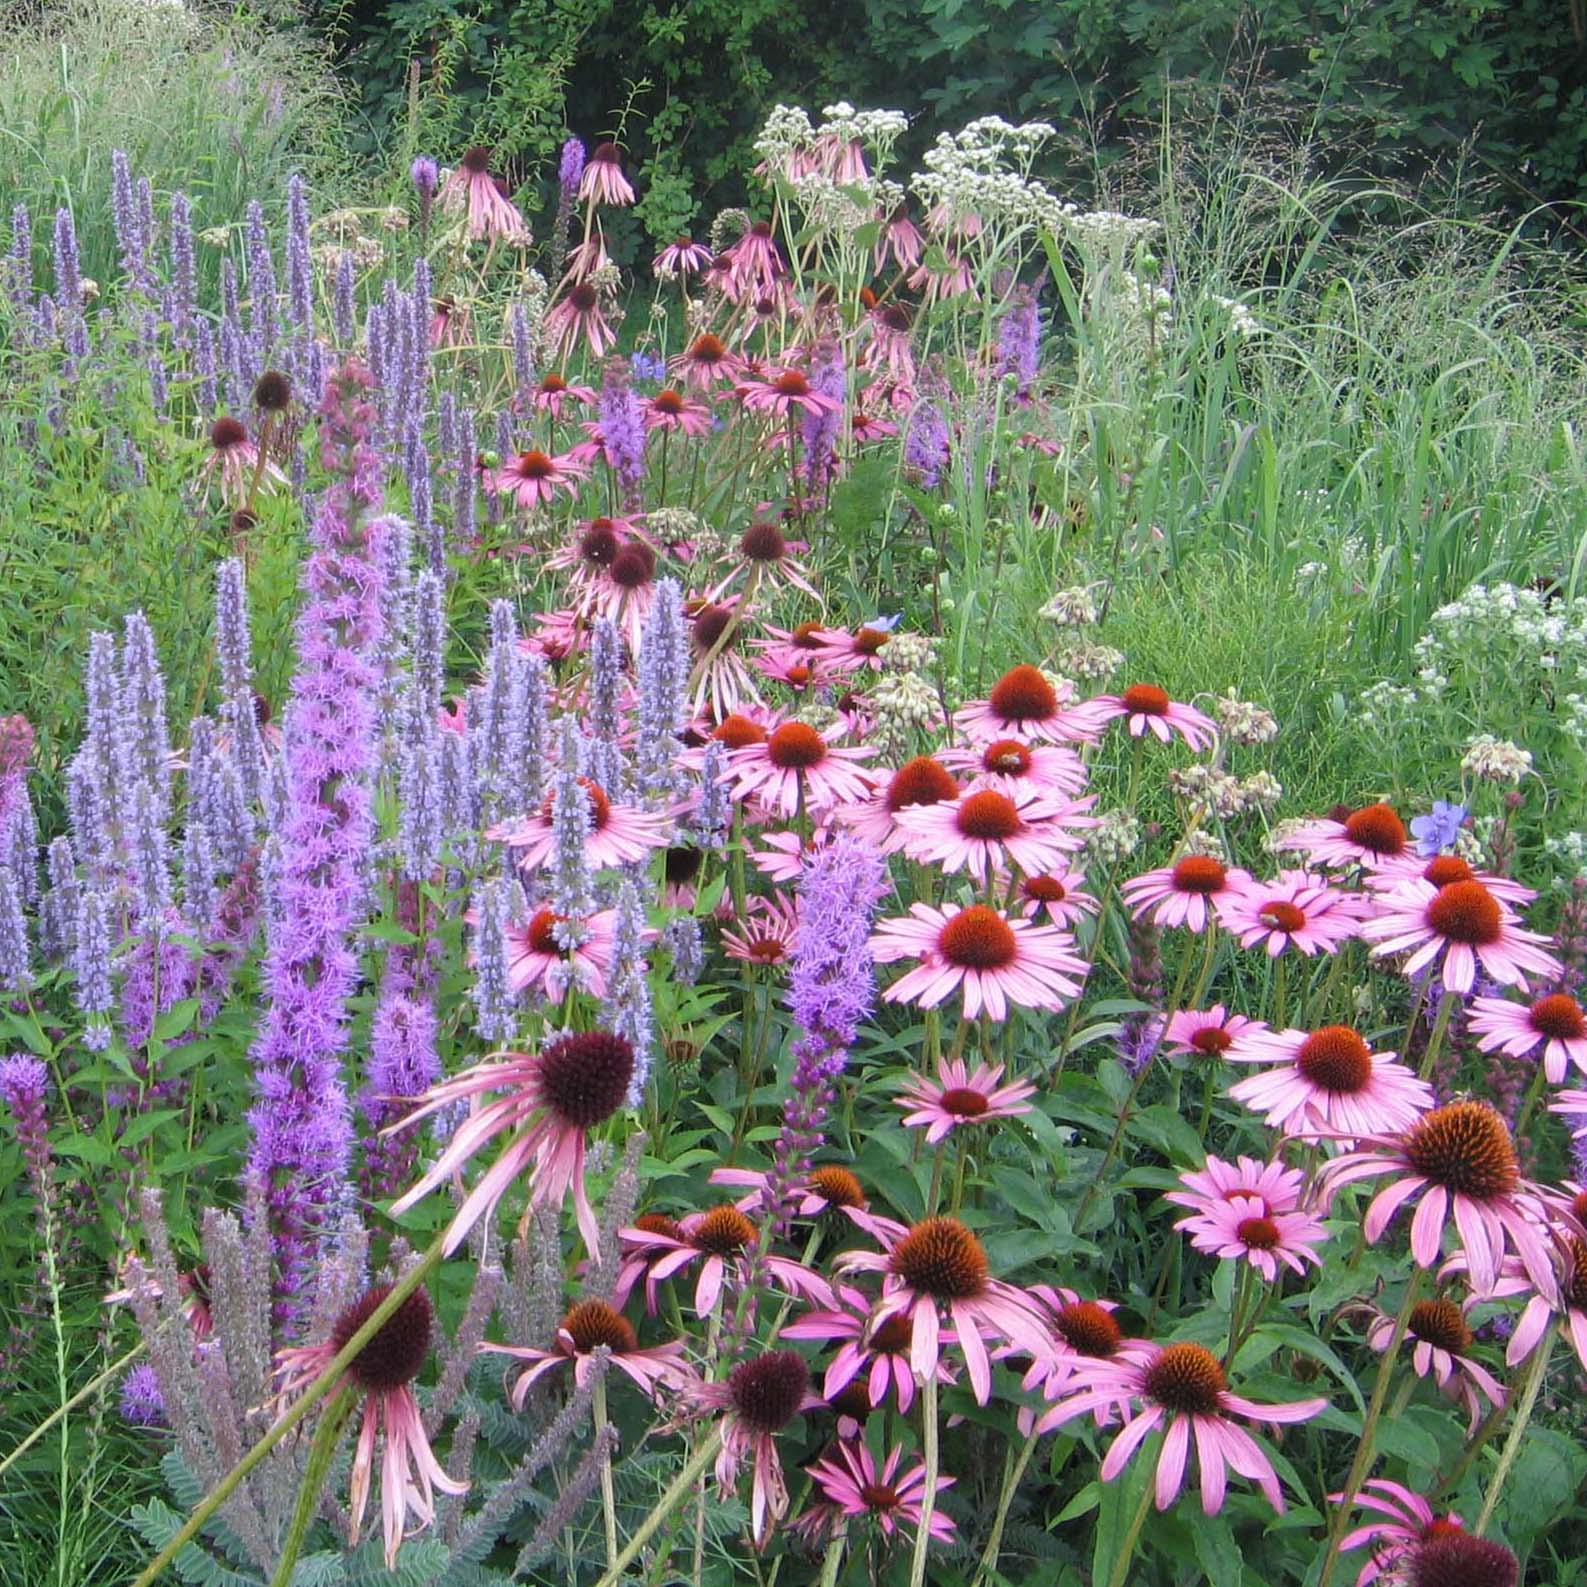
point(533, 478)
point(785, 392)
point(760, 1397)
point(1147, 708)
point(1211, 1033)
point(672, 411)
point(706, 362)
point(554, 1098)
point(603, 181)
point(1457, 1159)
point(383, 1373)
point(1025, 704)
point(1539, 1311)
point(1011, 765)
point(844, 652)
point(958, 1097)
point(1555, 1021)
point(953, 280)
point(921, 781)
point(721, 680)
point(1184, 1385)
point(535, 960)
point(900, 237)
point(795, 769)
point(1456, 927)
point(1279, 1189)
point(853, 1482)
point(576, 315)
point(449, 323)
point(471, 188)
point(865, 428)
point(1294, 910)
point(881, 1352)
point(766, 555)
point(588, 1325)
point(554, 393)
point(681, 257)
point(827, 1188)
point(1233, 1227)
point(234, 456)
point(1441, 870)
point(984, 831)
point(1370, 837)
point(754, 265)
point(990, 960)
point(939, 1266)
point(1329, 1081)
point(1179, 894)
point(586, 257)
point(722, 1240)
point(892, 325)
point(766, 932)
point(619, 834)
point(1055, 896)
point(1409, 1522)
point(1441, 1348)
point(625, 591)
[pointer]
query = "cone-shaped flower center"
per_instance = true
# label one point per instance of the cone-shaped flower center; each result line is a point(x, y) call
point(669, 401)
point(868, 641)
point(880, 1496)
point(964, 1101)
point(477, 161)
point(791, 384)
point(593, 1322)
point(681, 864)
point(1199, 873)
point(1278, 914)
point(599, 544)
point(553, 383)
point(706, 350)
point(710, 623)
point(1465, 1147)
point(1466, 912)
point(605, 154)
point(795, 746)
point(542, 931)
point(585, 1077)
point(1186, 1378)
point(992, 817)
point(978, 938)
point(535, 465)
point(941, 1258)
point(840, 1187)
point(738, 732)
point(1443, 869)
point(1335, 1058)
point(763, 542)
point(1459, 1560)
point(226, 433)
point(723, 1231)
point(1558, 1017)
point(1260, 1234)
point(595, 797)
point(1576, 1286)
point(921, 781)
point(1007, 758)
point(398, 1350)
point(660, 1223)
point(806, 636)
point(1377, 829)
point(769, 1389)
point(1043, 890)
point(894, 1336)
point(1439, 1323)
point(1145, 699)
point(633, 567)
point(1212, 1040)
point(583, 297)
point(1022, 694)
point(1089, 1329)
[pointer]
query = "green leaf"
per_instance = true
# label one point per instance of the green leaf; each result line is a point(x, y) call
point(86, 1148)
point(145, 1124)
point(175, 1019)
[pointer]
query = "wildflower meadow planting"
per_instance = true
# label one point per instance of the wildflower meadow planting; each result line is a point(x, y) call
point(897, 897)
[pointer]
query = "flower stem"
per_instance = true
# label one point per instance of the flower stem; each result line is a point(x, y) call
point(314, 1472)
point(1446, 1007)
point(928, 1499)
point(1121, 1566)
point(1113, 1146)
point(665, 1505)
point(1362, 1464)
point(1005, 1500)
point(608, 1493)
point(1524, 1117)
point(1537, 1370)
point(312, 1395)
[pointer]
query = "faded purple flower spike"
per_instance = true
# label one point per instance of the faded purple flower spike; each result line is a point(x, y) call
point(627, 1009)
point(926, 443)
point(126, 220)
point(663, 685)
point(184, 269)
point(819, 428)
point(58, 911)
point(1019, 340)
point(402, 1063)
point(572, 893)
point(622, 424)
point(425, 175)
point(141, 1402)
point(300, 269)
point(15, 970)
point(19, 261)
point(142, 703)
point(24, 1087)
point(493, 1021)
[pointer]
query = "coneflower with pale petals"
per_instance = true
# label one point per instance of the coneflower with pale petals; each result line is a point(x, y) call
point(488, 213)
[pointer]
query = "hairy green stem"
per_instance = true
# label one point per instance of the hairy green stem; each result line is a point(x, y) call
point(928, 1498)
point(1121, 1566)
point(1011, 1479)
point(319, 1462)
point(1536, 1371)
point(668, 1502)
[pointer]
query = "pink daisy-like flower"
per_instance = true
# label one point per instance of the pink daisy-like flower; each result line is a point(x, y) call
point(921, 781)
point(619, 834)
point(795, 769)
point(1147, 708)
point(766, 932)
point(1082, 1331)
point(579, 314)
point(683, 257)
point(489, 213)
point(984, 831)
point(766, 561)
point(853, 1482)
point(1279, 1189)
point(840, 651)
point(827, 1188)
point(1370, 837)
point(1441, 1346)
point(706, 363)
point(1539, 1311)
point(1025, 705)
point(865, 428)
point(900, 237)
point(1329, 1081)
point(383, 1372)
point(1053, 896)
point(1441, 870)
point(1555, 1022)
point(722, 682)
point(1211, 1033)
point(1178, 894)
point(1294, 910)
point(671, 410)
point(603, 181)
point(990, 960)
point(958, 1097)
point(880, 1352)
point(1183, 1385)
point(1243, 1226)
point(1409, 1521)
point(722, 1240)
point(938, 1265)
point(554, 1098)
point(234, 456)
point(533, 478)
point(754, 265)
point(785, 392)
point(554, 393)
point(588, 1325)
point(1010, 766)
point(1457, 927)
point(1458, 1159)
point(535, 959)
point(760, 1397)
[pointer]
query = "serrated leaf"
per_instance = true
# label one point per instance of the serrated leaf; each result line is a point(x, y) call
point(175, 1019)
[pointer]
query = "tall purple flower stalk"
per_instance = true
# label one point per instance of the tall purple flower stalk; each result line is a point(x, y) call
point(926, 443)
point(183, 297)
point(402, 1063)
point(1019, 340)
point(301, 1122)
point(819, 430)
point(623, 429)
point(24, 1083)
point(570, 169)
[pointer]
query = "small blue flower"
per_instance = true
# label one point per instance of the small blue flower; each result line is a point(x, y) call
point(647, 366)
point(1438, 829)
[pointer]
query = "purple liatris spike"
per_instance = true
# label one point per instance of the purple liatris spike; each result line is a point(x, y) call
point(622, 424)
point(1138, 1039)
point(204, 367)
point(627, 1008)
point(301, 1120)
point(493, 1020)
point(663, 692)
point(15, 969)
point(523, 356)
point(926, 443)
point(68, 272)
point(606, 680)
point(402, 1063)
point(570, 167)
point(24, 1088)
point(141, 1402)
point(1019, 339)
point(426, 177)
point(819, 428)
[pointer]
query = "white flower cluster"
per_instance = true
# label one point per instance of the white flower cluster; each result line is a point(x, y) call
point(984, 171)
point(905, 700)
point(1075, 607)
point(1496, 759)
point(787, 128)
point(1226, 796)
point(1552, 635)
point(908, 652)
point(1102, 234)
point(1115, 837)
point(1280, 839)
point(1385, 706)
point(1569, 852)
point(1242, 321)
point(1244, 722)
point(879, 128)
point(1204, 841)
point(1092, 662)
point(831, 207)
